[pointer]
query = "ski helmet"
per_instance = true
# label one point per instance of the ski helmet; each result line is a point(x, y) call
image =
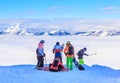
point(42, 41)
point(84, 48)
point(68, 42)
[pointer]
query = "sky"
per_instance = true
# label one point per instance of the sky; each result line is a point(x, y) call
point(40, 9)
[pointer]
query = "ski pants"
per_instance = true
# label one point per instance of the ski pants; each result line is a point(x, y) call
point(60, 57)
point(69, 63)
point(81, 61)
point(40, 62)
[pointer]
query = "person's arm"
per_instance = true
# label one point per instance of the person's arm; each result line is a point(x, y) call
point(54, 49)
point(37, 51)
point(73, 52)
point(66, 50)
point(41, 52)
point(85, 54)
point(62, 46)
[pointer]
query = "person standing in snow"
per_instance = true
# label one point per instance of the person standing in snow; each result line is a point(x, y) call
point(69, 53)
point(40, 55)
point(80, 55)
point(57, 50)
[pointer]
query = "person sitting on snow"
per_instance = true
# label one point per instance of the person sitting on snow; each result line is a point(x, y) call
point(56, 66)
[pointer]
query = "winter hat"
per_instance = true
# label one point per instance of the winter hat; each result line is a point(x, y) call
point(68, 43)
point(57, 43)
point(84, 48)
point(42, 41)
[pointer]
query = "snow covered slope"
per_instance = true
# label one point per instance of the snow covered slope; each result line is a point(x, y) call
point(27, 74)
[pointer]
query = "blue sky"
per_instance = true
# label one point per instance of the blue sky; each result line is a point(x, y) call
point(93, 9)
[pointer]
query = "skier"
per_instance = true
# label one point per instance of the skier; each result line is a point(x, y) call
point(40, 55)
point(80, 57)
point(69, 53)
point(57, 50)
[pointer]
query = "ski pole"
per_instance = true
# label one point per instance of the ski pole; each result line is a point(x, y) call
point(92, 54)
point(45, 60)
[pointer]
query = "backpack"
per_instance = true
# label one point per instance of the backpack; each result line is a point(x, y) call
point(71, 50)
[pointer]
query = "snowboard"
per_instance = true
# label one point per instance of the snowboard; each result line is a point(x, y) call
point(79, 66)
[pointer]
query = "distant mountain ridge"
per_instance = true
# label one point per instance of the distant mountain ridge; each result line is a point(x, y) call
point(20, 31)
point(17, 30)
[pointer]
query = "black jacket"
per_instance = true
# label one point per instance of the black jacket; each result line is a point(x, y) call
point(81, 53)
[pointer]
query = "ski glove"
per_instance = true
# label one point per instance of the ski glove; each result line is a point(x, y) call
point(44, 54)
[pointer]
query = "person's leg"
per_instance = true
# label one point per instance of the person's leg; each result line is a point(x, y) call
point(81, 61)
point(61, 59)
point(71, 64)
point(67, 62)
point(38, 61)
point(41, 61)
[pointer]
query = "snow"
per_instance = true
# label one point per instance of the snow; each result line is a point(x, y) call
point(27, 74)
point(19, 39)
point(18, 59)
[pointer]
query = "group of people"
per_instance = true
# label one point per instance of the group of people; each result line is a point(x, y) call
point(57, 64)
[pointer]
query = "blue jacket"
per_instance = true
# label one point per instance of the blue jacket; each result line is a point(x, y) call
point(57, 50)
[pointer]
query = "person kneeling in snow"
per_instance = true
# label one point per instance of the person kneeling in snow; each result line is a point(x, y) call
point(56, 66)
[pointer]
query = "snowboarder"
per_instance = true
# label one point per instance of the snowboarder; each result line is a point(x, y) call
point(80, 57)
point(40, 55)
point(69, 53)
point(57, 50)
point(55, 66)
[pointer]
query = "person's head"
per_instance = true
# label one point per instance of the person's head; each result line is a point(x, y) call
point(42, 41)
point(84, 48)
point(57, 43)
point(68, 43)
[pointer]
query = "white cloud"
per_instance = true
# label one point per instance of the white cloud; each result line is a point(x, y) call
point(111, 10)
point(66, 24)
point(54, 8)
